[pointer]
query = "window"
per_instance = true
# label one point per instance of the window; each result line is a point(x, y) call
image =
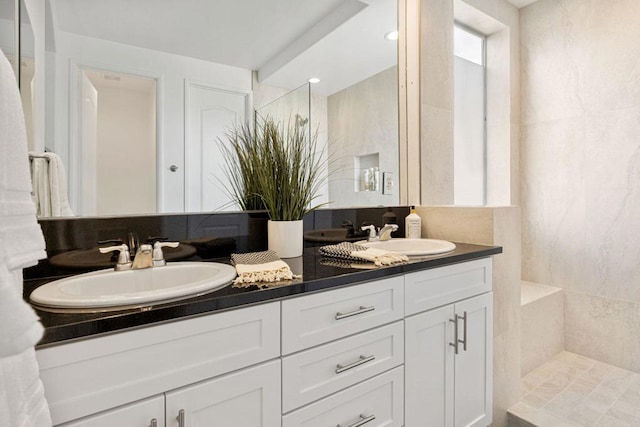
point(469, 117)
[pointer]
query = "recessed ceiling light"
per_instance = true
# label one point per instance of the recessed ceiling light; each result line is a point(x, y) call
point(391, 35)
point(314, 80)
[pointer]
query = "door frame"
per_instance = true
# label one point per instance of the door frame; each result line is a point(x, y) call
point(75, 124)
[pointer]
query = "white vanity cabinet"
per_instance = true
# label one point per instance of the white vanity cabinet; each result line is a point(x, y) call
point(145, 413)
point(409, 350)
point(448, 353)
point(87, 377)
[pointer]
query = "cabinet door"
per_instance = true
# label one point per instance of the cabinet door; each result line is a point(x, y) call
point(246, 398)
point(429, 368)
point(474, 366)
point(145, 413)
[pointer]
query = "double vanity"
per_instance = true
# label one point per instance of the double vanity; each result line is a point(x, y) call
point(405, 345)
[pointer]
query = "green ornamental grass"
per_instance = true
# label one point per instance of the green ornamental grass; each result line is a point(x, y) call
point(275, 167)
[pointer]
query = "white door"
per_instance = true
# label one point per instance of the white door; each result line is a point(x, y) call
point(145, 413)
point(429, 365)
point(247, 398)
point(87, 183)
point(474, 366)
point(210, 113)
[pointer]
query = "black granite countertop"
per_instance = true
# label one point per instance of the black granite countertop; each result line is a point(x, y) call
point(60, 327)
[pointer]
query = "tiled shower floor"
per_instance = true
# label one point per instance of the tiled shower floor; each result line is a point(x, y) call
point(572, 390)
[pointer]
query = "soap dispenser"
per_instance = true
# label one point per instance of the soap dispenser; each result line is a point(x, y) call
point(413, 225)
point(389, 217)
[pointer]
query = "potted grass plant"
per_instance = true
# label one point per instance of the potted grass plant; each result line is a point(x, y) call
point(277, 167)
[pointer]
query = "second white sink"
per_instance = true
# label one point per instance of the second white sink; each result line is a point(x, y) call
point(108, 288)
point(413, 247)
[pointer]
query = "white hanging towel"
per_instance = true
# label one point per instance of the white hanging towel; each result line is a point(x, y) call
point(22, 401)
point(50, 185)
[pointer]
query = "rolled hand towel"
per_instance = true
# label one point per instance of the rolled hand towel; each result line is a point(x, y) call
point(359, 253)
point(260, 269)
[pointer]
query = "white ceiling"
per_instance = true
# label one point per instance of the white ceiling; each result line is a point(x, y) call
point(283, 39)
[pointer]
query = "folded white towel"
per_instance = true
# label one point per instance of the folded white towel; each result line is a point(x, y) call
point(260, 269)
point(22, 402)
point(358, 253)
point(20, 328)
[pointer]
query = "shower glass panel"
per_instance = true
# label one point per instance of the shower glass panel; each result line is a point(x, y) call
point(293, 108)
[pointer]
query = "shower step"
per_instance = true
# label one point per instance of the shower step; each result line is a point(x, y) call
point(574, 391)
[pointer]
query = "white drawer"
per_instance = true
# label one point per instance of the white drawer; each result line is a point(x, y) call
point(315, 373)
point(92, 375)
point(135, 414)
point(380, 398)
point(427, 289)
point(319, 318)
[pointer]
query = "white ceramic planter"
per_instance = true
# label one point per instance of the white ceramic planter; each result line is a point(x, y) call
point(285, 238)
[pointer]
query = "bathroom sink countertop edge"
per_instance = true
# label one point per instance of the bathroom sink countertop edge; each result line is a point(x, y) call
point(60, 327)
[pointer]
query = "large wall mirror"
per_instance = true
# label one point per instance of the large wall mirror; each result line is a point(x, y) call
point(138, 92)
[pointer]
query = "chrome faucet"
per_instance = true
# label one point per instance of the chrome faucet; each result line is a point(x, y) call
point(143, 258)
point(146, 256)
point(380, 235)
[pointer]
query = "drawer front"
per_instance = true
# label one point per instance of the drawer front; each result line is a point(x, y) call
point(316, 319)
point(428, 289)
point(315, 373)
point(379, 400)
point(141, 413)
point(93, 375)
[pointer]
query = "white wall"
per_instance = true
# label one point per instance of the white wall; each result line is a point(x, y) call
point(170, 70)
point(581, 169)
point(126, 151)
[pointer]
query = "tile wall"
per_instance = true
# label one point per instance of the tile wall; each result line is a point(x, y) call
point(580, 163)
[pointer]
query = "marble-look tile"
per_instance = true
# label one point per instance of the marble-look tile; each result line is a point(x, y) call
point(611, 52)
point(437, 156)
point(603, 329)
point(436, 60)
point(611, 209)
point(553, 199)
point(506, 364)
point(551, 55)
point(498, 157)
point(596, 394)
point(372, 127)
point(542, 330)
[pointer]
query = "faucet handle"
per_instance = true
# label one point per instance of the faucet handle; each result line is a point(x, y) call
point(372, 231)
point(158, 255)
point(124, 258)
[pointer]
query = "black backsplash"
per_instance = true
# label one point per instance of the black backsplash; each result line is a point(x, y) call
point(248, 230)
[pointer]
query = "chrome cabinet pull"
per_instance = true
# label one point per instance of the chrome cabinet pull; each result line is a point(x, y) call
point(180, 418)
point(361, 361)
point(455, 342)
point(361, 310)
point(154, 423)
point(362, 421)
point(463, 341)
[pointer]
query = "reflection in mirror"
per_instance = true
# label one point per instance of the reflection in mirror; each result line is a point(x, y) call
point(26, 46)
point(203, 72)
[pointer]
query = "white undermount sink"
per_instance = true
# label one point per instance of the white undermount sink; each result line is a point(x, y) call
point(109, 288)
point(413, 247)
